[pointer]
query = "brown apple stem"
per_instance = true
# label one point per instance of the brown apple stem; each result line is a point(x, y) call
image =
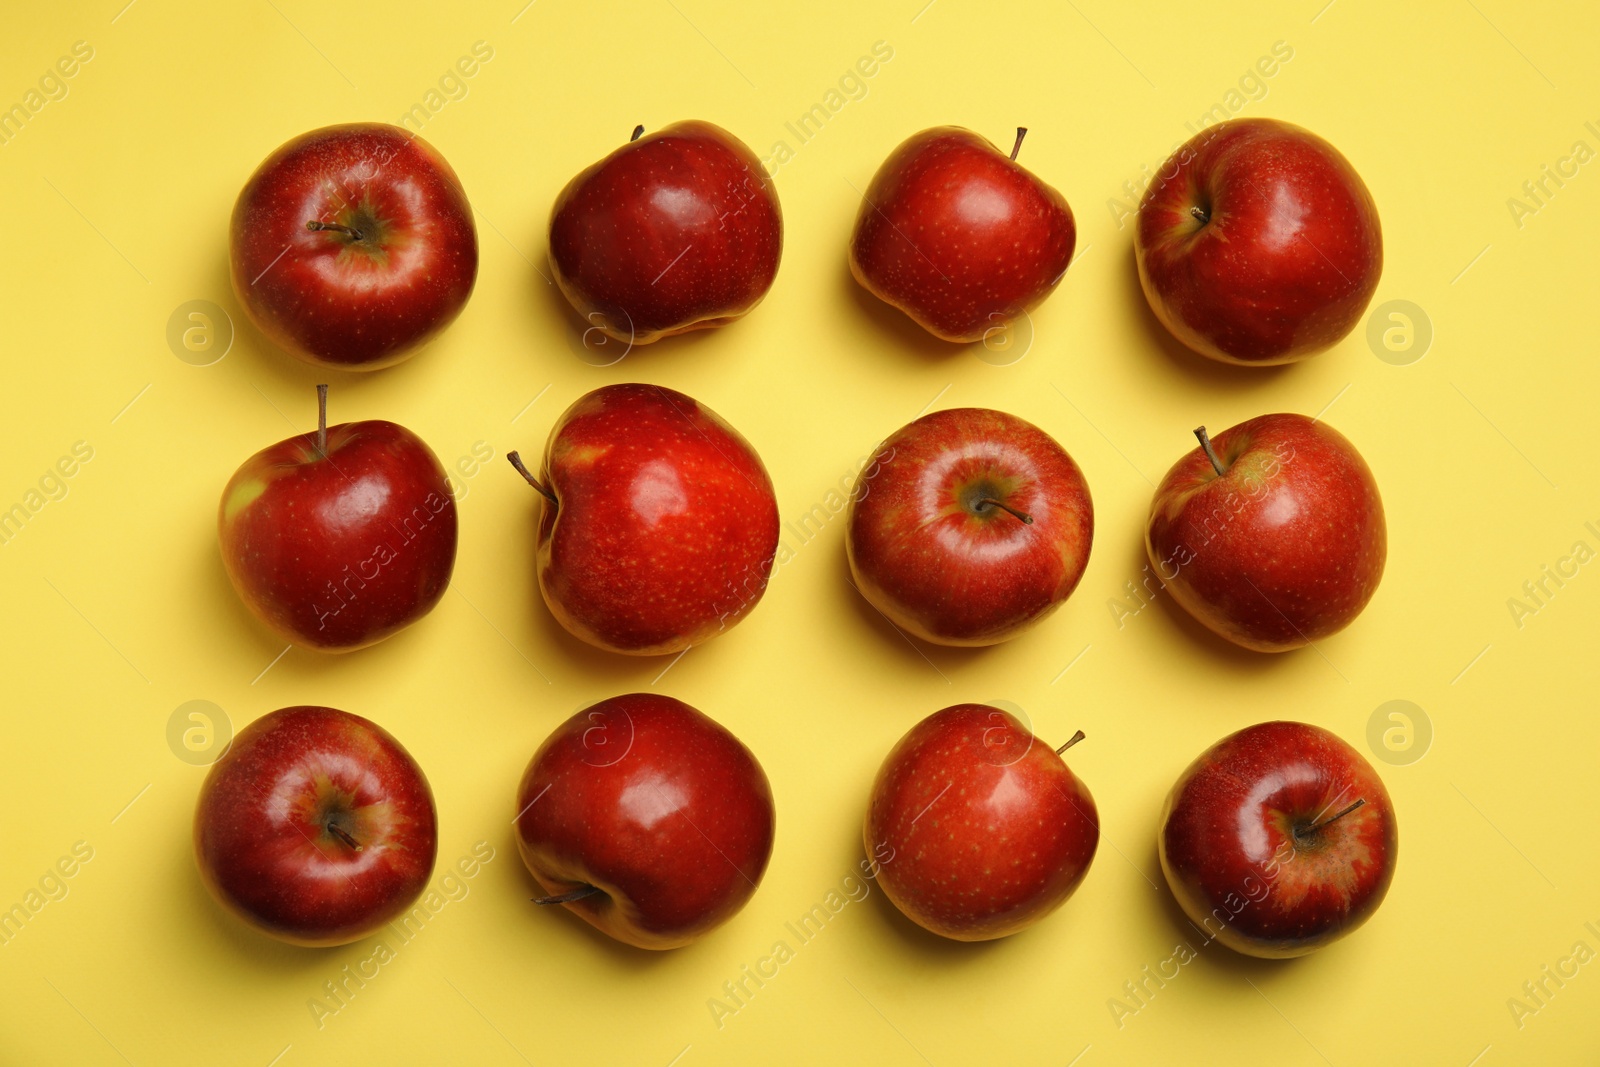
point(322, 421)
point(343, 835)
point(638, 131)
point(1312, 830)
point(1074, 739)
point(1022, 131)
point(1211, 453)
point(516, 461)
point(568, 897)
point(1200, 213)
point(354, 235)
point(1025, 518)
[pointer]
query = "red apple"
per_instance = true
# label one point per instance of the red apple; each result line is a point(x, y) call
point(970, 527)
point(979, 828)
point(315, 827)
point(677, 230)
point(1278, 839)
point(339, 538)
point(960, 236)
point(647, 819)
point(1271, 534)
point(1258, 243)
point(659, 526)
point(353, 245)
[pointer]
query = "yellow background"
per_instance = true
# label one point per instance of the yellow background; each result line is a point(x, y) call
point(117, 609)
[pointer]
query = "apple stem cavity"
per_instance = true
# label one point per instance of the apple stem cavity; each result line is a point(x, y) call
point(1021, 516)
point(516, 461)
point(568, 897)
point(1022, 131)
point(1200, 213)
point(1211, 453)
point(355, 235)
point(344, 835)
point(1312, 831)
point(1074, 739)
point(322, 422)
point(638, 131)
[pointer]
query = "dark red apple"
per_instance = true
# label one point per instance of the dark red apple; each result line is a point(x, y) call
point(647, 819)
point(659, 527)
point(1271, 534)
point(676, 230)
point(979, 828)
point(315, 827)
point(339, 538)
point(969, 527)
point(1258, 243)
point(960, 236)
point(353, 245)
point(1278, 839)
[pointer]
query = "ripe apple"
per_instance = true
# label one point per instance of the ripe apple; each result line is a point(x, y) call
point(315, 827)
point(1258, 243)
point(659, 526)
point(647, 819)
point(677, 230)
point(339, 538)
point(1272, 534)
point(960, 236)
point(979, 828)
point(1278, 839)
point(353, 245)
point(970, 527)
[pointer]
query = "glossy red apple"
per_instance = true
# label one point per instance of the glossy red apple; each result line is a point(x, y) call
point(659, 526)
point(1278, 839)
point(353, 245)
point(960, 236)
point(647, 819)
point(979, 828)
point(1258, 243)
point(315, 827)
point(676, 230)
point(1271, 534)
point(969, 527)
point(339, 538)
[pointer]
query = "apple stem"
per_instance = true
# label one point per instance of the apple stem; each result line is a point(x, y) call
point(1200, 213)
point(516, 461)
point(568, 897)
point(1022, 131)
point(638, 131)
point(354, 235)
point(1211, 453)
point(1025, 518)
point(344, 835)
point(1074, 739)
point(322, 421)
point(1310, 830)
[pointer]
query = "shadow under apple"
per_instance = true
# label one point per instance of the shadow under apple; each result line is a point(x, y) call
point(892, 326)
point(1211, 953)
point(939, 657)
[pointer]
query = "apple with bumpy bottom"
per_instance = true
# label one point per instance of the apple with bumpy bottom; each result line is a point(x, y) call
point(969, 527)
point(977, 827)
point(647, 819)
point(315, 827)
point(1278, 840)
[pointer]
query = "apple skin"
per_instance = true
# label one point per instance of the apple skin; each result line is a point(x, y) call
point(1242, 853)
point(676, 230)
point(940, 564)
point(336, 552)
point(338, 302)
point(660, 525)
point(266, 828)
point(658, 807)
point(959, 236)
point(1284, 549)
point(979, 829)
point(1290, 255)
